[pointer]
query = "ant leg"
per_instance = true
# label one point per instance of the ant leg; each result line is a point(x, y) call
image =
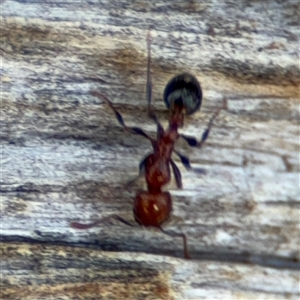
point(177, 174)
point(192, 141)
point(90, 225)
point(184, 238)
point(151, 114)
point(186, 162)
point(141, 171)
point(134, 130)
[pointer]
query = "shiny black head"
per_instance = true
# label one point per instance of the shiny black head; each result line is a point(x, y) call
point(183, 90)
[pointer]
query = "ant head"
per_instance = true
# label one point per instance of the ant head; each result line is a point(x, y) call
point(184, 91)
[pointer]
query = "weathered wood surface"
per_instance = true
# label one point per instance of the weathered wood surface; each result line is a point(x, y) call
point(56, 272)
point(65, 158)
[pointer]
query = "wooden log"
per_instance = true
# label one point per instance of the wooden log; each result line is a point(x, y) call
point(65, 158)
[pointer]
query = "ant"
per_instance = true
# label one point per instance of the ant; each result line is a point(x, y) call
point(182, 95)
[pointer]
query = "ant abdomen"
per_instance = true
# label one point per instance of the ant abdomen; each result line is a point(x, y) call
point(152, 209)
point(183, 90)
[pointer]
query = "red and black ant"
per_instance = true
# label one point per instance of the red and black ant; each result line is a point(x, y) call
point(182, 95)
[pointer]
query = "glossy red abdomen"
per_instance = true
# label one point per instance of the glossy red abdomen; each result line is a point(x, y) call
point(152, 209)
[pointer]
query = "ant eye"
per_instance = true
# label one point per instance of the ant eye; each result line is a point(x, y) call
point(183, 88)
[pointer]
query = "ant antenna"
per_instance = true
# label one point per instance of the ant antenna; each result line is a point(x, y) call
point(149, 81)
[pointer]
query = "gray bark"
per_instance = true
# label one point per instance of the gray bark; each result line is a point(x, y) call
point(65, 158)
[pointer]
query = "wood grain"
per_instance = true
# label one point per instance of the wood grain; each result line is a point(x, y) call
point(56, 272)
point(65, 158)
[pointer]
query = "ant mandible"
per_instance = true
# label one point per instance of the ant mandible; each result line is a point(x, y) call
point(182, 95)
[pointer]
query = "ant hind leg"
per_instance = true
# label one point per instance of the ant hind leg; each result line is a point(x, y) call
point(184, 238)
point(94, 224)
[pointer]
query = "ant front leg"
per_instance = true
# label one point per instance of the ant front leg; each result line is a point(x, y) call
point(134, 130)
point(192, 141)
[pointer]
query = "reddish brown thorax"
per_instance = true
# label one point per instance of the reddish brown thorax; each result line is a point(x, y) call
point(177, 115)
point(154, 206)
point(157, 173)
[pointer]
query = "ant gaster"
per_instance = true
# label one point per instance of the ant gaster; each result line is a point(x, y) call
point(182, 95)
